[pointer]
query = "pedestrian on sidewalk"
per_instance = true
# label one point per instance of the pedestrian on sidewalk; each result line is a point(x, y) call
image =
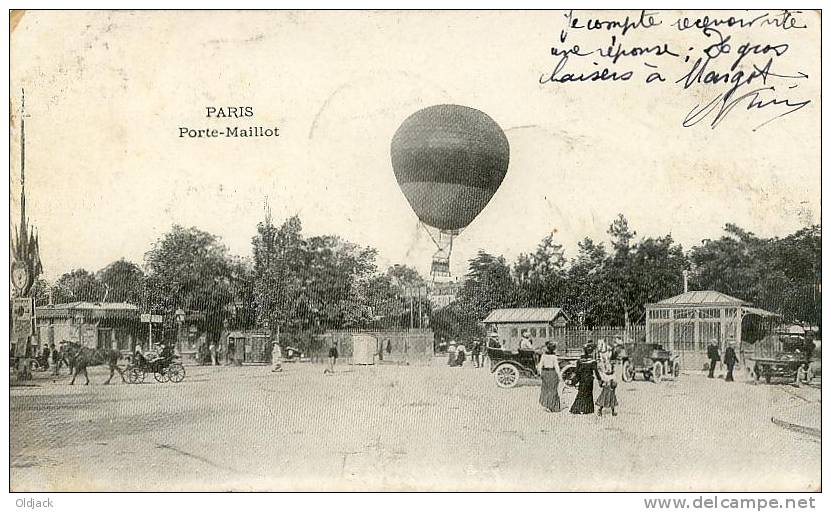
point(461, 355)
point(549, 369)
point(276, 358)
point(608, 396)
point(212, 350)
point(730, 361)
point(586, 373)
point(476, 352)
point(333, 359)
point(451, 354)
point(713, 356)
point(56, 357)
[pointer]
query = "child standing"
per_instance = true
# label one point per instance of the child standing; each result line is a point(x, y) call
point(608, 397)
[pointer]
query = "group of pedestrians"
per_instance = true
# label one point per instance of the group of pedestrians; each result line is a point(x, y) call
point(457, 354)
point(586, 372)
point(730, 359)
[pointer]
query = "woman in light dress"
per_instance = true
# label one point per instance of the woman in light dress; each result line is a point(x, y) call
point(549, 369)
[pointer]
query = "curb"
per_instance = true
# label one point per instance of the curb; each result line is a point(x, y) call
point(811, 431)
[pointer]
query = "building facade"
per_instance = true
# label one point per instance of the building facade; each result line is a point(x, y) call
point(542, 325)
point(95, 325)
point(688, 322)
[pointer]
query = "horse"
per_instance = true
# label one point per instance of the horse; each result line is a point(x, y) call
point(79, 358)
point(64, 359)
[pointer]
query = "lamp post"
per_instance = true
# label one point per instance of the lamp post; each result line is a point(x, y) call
point(79, 320)
point(180, 321)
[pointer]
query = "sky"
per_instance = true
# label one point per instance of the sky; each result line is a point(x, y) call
point(108, 174)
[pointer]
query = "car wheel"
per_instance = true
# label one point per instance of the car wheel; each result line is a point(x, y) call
point(627, 373)
point(570, 376)
point(657, 372)
point(507, 376)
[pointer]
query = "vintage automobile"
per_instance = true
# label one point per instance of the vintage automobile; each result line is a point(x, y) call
point(508, 366)
point(649, 359)
point(796, 362)
point(292, 354)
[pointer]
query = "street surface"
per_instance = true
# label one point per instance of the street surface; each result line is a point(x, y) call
point(404, 428)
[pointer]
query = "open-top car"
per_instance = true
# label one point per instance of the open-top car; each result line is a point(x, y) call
point(651, 360)
point(508, 366)
point(794, 362)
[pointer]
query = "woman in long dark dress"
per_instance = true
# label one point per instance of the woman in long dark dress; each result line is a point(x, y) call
point(586, 372)
point(549, 369)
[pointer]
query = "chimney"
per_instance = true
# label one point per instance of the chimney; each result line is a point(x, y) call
point(686, 274)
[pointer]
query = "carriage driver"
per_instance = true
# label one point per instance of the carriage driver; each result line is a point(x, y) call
point(167, 351)
point(140, 360)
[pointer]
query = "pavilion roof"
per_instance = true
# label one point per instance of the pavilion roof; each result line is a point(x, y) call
point(701, 298)
point(521, 315)
point(88, 310)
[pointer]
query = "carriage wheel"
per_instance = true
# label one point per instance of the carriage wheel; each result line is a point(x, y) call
point(627, 373)
point(176, 373)
point(676, 369)
point(135, 376)
point(657, 371)
point(506, 376)
point(161, 376)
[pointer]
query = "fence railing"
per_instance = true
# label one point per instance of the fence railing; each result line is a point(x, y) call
point(576, 337)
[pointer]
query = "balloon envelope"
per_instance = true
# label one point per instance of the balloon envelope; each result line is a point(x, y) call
point(449, 160)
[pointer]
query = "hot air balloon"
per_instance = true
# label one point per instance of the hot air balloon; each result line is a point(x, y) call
point(449, 160)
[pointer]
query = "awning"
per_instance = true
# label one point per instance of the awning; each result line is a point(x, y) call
point(749, 310)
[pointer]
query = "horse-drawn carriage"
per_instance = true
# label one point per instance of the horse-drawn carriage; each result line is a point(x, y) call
point(649, 359)
point(507, 366)
point(164, 369)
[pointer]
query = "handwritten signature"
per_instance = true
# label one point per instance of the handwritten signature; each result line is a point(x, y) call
point(754, 100)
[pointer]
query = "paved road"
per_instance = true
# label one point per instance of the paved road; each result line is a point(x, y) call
point(391, 427)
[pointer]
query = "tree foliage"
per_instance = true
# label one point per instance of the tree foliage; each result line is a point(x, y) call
point(600, 287)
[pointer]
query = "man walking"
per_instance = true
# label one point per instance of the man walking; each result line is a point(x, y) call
point(730, 360)
point(477, 350)
point(713, 356)
point(56, 358)
point(333, 358)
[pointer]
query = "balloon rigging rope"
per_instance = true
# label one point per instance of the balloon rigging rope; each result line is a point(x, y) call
point(430, 235)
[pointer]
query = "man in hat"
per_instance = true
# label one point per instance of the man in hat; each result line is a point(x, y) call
point(730, 360)
point(713, 356)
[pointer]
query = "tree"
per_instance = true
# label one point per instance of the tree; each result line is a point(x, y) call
point(190, 269)
point(41, 289)
point(405, 276)
point(278, 272)
point(781, 275)
point(584, 281)
point(124, 281)
point(540, 275)
point(78, 286)
point(333, 293)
